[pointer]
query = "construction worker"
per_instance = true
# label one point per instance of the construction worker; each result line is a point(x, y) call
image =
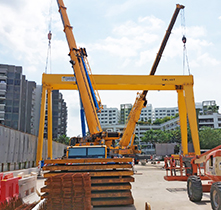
point(173, 165)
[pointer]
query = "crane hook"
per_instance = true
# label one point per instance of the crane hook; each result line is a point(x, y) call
point(184, 39)
point(49, 36)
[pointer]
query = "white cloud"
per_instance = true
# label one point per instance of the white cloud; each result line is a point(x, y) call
point(196, 31)
point(151, 22)
point(131, 37)
point(25, 38)
point(119, 47)
point(146, 56)
point(143, 25)
point(206, 60)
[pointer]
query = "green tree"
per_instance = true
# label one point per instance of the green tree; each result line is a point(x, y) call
point(166, 136)
point(209, 137)
point(62, 139)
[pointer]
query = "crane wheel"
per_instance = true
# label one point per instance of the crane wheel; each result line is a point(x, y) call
point(215, 196)
point(194, 188)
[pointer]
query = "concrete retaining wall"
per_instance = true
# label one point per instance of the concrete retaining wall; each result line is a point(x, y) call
point(18, 149)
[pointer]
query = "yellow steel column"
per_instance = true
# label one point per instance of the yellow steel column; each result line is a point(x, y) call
point(41, 125)
point(191, 111)
point(49, 123)
point(183, 121)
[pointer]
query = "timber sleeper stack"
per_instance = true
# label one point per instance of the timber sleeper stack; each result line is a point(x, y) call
point(67, 191)
point(110, 178)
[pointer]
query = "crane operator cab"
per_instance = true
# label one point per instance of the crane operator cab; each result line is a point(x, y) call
point(92, 151)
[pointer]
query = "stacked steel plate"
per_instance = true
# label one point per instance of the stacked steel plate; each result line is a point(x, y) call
point(68, 191)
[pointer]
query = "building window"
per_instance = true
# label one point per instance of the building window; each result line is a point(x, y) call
point(17, 75)
point(10, 75)
point(17, 82)
point(15, 109)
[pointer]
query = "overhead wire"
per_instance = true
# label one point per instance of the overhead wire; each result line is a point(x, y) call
point(185, 56)
point(48, 58)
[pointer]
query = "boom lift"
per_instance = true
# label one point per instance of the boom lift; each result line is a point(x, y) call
point(206, 167)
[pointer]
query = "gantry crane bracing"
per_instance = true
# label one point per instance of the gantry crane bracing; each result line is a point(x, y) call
point(140, 102)
point(182, 84)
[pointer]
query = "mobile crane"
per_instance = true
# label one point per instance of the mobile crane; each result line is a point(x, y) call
point(140, 102)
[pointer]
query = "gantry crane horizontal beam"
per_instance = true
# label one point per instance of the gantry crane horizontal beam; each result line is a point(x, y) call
point(118, 82)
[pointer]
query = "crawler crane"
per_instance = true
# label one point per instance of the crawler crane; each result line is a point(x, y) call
point(110, 177)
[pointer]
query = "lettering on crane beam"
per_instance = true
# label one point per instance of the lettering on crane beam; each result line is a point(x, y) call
point(168, 80)
point(68, 79)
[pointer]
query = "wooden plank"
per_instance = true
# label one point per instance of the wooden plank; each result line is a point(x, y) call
point(99, 188)
point(112, 173)
point(45, 190)
point(89, 160)
point(95, 180)
point(101, 180)
point(111, 194)
point(98, 173)
point(111, 187)
point(85, 167)
point(112, 202)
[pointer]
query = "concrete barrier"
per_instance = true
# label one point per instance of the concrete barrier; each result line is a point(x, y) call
point(27, 188)
point(18, 149)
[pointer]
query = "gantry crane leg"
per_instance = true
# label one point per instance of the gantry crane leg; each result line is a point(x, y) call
point(191, 112)
point(183, 121)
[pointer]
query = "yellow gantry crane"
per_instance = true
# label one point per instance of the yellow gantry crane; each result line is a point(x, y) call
point(96, 133)
point(98, 165)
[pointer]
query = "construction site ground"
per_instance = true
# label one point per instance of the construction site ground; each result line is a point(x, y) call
point(150, 186)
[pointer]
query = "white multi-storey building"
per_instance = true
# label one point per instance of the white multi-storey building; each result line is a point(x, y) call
point(213, 120)
point(160, 113)
point(146, 113)
point(108, 116)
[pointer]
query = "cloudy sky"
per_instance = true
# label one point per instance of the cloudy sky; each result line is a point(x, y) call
point(121, 37)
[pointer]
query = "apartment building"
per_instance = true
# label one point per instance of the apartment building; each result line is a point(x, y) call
point(59, 115)
point(146, 113)
point(160, 113)
point(212, 120)
point(16, 95)
point(124, 112)
point(3, 85)
point(20, 102)
point(108, 116)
